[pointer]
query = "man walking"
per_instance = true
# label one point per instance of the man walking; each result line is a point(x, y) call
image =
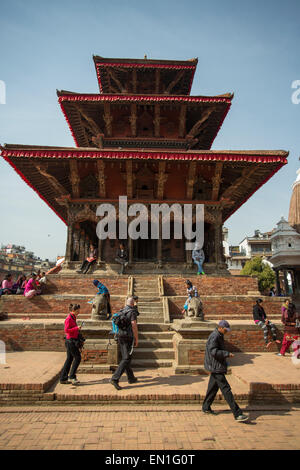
point(215, 363)
point(127, 339)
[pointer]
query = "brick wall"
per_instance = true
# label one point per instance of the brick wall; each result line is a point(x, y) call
point(40, 337)
point(95, 357)
point(47, 305)
point(226, 308)
point(211, 285)
point(84, 285)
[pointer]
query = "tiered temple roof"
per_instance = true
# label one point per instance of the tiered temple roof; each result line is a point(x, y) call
point(143, 127)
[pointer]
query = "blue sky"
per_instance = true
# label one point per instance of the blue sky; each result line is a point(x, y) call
point(249, 48)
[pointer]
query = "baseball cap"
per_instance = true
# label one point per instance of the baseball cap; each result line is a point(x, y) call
point(224, 324)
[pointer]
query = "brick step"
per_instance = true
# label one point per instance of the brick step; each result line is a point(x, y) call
point(153, 327)
point(151, 312)
point(151, 363)
point(154, 353)
point(151, 319)
point(154, 343)
point(156, 335)
point(146, 293)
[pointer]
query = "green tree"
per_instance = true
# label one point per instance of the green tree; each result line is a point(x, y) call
point(265, 275)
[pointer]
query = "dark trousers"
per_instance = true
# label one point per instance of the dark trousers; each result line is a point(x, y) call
point(122, 261)
point(216, 382)
point(86, 266)
point(73, 359)
point(124, 366)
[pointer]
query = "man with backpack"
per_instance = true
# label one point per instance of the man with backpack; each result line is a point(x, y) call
point(126, 321)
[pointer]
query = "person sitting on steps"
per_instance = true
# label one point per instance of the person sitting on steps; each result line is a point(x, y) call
point(122, 257)
point(88, 262)
point(260, 319)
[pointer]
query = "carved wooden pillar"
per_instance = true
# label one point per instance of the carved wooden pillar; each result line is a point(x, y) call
point(130, 244)
point(76, 248)
point(87, 246)
point(159, 241)
point(218, 240)
point(69, 246)
point(100, 246)
point(82, 246)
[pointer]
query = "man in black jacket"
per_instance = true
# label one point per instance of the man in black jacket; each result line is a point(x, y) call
point(215, 363)
point(127, 339)
point(122, 257)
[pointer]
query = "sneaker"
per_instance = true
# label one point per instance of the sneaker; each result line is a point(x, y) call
point(64, 382)
point(115, 384)
point(279, 354)
point(203, 272)
point(133, 381)
point(75, 381)
point(242, 418)
point(209, 412)
point(198, 274)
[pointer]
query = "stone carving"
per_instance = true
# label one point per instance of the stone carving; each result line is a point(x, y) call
point(195, 308)
point(99, 307)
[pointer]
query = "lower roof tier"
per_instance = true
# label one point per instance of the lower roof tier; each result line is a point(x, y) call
point(225, 179)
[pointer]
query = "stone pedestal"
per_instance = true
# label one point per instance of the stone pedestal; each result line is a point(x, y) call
point(100, 353)
point(189, 344)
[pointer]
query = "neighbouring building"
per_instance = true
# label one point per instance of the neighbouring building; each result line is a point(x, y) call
point(145, 137)
point(250, 247)
point(17, 260)
point(286, 247)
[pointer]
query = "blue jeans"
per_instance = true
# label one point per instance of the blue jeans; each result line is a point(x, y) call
point(199, 264)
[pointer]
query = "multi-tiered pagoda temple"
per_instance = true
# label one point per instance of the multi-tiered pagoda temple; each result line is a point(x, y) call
point(143, 136)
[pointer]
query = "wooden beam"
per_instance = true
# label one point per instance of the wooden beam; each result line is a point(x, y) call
point(108, 118)
point(216, 181)
point(116, 80)
point(101, 178)
point(133, 119)
point(129, 179)
point(191, 180)
point(161, 179)
point(182, 121)
point(174, 82)
point(89, 124)
point(57, 186)
point(157, 120)
point(157, 80)
point(196, 129)
point(134, 81)
point(241, 181)
point(75, 179)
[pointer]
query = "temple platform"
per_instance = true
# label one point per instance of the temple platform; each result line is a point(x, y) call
point(256, 378)
point(166, 338)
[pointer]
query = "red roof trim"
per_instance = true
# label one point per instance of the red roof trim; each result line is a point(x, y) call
point(149, 66)
point(99, 97)
point(112, 154)
point(30, 185)
point(68, 122)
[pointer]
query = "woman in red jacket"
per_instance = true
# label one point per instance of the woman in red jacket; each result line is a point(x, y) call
point(73, 352)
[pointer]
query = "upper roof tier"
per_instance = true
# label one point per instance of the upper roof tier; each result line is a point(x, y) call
point(145, 76)
point(144, 120)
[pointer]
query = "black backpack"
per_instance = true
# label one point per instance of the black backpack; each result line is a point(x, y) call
point(121, 320)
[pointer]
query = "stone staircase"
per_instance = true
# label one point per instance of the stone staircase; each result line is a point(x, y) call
point(155, 338)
